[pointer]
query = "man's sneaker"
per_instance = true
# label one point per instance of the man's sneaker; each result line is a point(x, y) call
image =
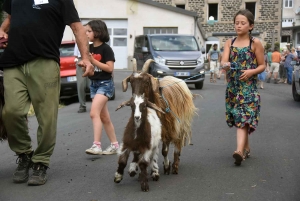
point(81, 109)
point(39, 175)
point(22, 172)
point(110, 150)
point(275, 81)
point(94, 150)
point(268, 80)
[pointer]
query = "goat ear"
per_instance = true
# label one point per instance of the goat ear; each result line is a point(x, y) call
point(155, 107)
point(155, 84)
point(125, 103)
point(124, 83)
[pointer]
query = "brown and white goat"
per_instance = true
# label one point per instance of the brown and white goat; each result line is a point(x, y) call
point(3, 134)
point(142, 136)
point(174, 97)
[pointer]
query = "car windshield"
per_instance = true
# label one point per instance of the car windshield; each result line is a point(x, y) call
point(66, 50)
point(174, 43)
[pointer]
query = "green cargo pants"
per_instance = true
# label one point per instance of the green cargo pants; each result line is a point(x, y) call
point(36, 82)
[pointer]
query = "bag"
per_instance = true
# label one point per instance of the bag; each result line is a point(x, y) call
point(262, 76)
point(293, 63)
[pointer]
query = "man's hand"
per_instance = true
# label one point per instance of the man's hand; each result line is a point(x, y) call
point(87, 67)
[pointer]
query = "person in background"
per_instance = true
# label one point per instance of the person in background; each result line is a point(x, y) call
point(102, 87)
point(214, 61)
point(282, 71)
point(269, 54)
point(32, 76)
point(274, 68)
point(289, 66)
point(243, 59)
point(82, 82)
point(222, 70)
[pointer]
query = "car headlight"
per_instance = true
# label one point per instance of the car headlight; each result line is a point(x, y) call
point(160, 60)
point(200, 60)
point(202, 72)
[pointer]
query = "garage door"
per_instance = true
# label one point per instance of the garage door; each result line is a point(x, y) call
point(118, 40)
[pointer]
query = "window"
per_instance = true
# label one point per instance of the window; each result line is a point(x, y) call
point(288, 3)
point(180, 6)
point(251, 7)
point(160, 30)
point(213, 11)
point(285, 39)
point(298, 38)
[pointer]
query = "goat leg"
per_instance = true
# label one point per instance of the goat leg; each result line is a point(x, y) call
point(175, 164)
point(143, 176)
point(122, 164)
point(153, 165)
point(133, 168)
point(166, 163)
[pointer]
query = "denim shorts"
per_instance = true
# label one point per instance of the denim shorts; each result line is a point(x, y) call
point(104, 87)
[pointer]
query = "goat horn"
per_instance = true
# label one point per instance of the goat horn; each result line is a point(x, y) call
point(146, 65)
point(124, 83)
point(125, 103)
point(155, 107)
point(134, 66)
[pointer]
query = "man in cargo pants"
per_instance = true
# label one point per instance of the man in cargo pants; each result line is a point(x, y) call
point(32, 76)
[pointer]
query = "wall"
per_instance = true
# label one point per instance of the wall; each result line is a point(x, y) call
point(268, 16)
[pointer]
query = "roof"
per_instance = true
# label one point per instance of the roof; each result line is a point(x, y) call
point(167, 7)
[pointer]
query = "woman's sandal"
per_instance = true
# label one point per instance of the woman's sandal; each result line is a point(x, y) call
point(246, 153)
point(211, 80)
point(238, 156)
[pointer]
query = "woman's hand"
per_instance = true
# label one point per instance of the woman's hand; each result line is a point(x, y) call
point(226, 66)
point(246, 75)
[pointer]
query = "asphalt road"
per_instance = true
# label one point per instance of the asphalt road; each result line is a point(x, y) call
point(206, 169)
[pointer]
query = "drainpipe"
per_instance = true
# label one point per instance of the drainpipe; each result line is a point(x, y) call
point(281, 20)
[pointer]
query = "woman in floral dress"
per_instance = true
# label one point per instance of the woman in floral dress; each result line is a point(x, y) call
point(243, 59)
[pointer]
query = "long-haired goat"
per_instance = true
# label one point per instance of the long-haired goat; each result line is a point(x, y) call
point(174, 97)
point(141, 136)
point(3, 134)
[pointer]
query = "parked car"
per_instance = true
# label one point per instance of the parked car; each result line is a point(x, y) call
point(68, 71)
point(174, 54)
point(296, 82)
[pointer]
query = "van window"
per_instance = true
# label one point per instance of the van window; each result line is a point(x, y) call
point(138, 44)
point(174, 43)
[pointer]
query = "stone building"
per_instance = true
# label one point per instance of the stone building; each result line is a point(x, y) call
point(267, 14)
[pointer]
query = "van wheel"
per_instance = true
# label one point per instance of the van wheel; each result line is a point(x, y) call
point(295, 94)
point(199, 85)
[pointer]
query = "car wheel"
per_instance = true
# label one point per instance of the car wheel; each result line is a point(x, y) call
point(295, 94)
point(199, 85)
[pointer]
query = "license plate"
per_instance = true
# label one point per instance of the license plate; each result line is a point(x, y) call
point(72, 79)
point(182, 73)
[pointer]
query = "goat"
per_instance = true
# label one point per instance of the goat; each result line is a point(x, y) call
point(141, 136)
point(174, 96)
point(3, 134)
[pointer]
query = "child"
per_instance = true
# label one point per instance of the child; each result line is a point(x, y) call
point(102, 86)
point(243, 59)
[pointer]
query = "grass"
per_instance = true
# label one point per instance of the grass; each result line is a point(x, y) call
point(31, 110)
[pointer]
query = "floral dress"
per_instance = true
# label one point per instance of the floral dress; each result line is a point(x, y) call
point(242, 97)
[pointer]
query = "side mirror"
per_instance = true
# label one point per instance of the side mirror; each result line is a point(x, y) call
point(203, 50)
point(145, 49)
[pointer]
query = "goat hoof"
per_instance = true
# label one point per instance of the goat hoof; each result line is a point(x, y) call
point(174, 170)
point(167, 170)
point(117, 180)
point(132, 174)
point(118, 177)
point(144, 186)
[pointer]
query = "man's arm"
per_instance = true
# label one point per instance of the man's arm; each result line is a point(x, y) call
point(83, 46)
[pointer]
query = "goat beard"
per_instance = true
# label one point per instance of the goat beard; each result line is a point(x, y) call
point(3, 134)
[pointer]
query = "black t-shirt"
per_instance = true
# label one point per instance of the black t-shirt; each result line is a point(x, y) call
point(107, 54)
point(36, 30)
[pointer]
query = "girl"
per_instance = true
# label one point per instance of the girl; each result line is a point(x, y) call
point(102, 86)
point(243, 59)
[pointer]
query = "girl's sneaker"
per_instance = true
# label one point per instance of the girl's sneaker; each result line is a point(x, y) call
point(94, 150)
point(110, 150)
